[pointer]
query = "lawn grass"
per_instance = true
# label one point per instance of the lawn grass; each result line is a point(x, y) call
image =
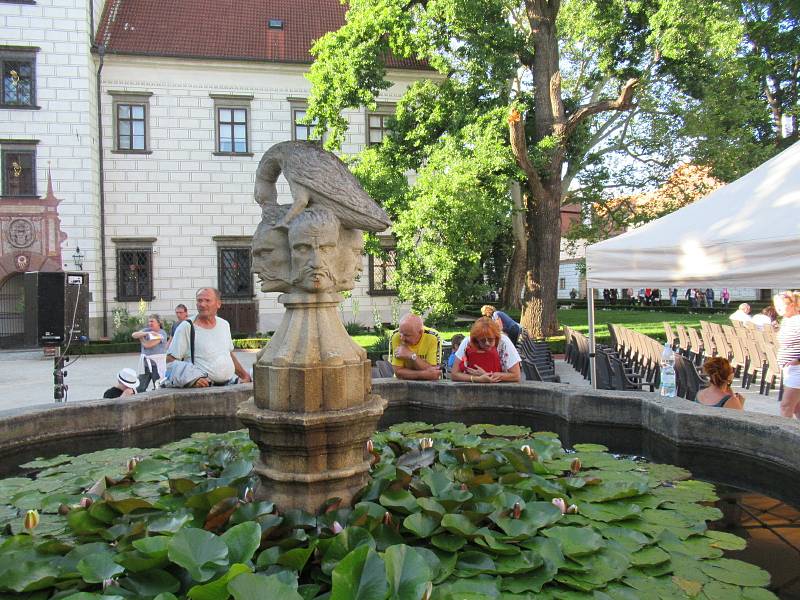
point(648, 323)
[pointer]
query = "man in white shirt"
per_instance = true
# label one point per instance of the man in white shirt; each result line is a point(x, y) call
point(213, 347)
point(743, 314)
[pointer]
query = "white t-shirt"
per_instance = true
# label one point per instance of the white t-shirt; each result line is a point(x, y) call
point(740, 315)
point(212, 349)
point(505, 349)
point(761, 320)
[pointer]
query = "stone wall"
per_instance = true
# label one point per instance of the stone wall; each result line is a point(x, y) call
point(694, 435)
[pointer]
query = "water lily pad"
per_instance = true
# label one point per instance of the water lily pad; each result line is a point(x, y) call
point(736, 572)
point(420, 524)
point(725, 541)
point(361, 575)
point(448, 542)
point(249, 586)
point(200, 552)
point(458, 525)
point(471, 563)
point(575, 541)
point(407, 572)
point(401, 500)
point(589, 448)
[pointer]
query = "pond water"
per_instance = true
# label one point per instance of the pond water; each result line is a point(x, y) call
point(758, 500)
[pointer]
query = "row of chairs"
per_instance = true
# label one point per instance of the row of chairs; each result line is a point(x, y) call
point(643, 355)
point(752, 352)
point(611, 370)
point(537, 359)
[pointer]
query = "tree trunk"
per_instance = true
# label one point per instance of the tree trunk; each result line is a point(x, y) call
point(515, 274)
point(539, 314)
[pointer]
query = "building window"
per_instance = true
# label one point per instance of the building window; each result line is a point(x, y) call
point(381, 272)
point(232, 117)
point(234, 276)
point(18, 170)
point(377, 127)
point(131, 127)
point(18, 66)
point(300, 130)
point(131, 122)
point(134, 274)
point(562, 284)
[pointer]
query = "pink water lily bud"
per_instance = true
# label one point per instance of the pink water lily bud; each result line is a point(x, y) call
point(572, 509)
point(337, 528)
point(560, 504)
point(428, 591)
point(132, 463)
point(370, 446)
point(387, 518)
point(107, 583)
point(516, 512)
point(31, 520)
point(575, 466)
point(249, 495)
point(85, 502)
point(425, 443)
point(527, 449)
point(64, 509)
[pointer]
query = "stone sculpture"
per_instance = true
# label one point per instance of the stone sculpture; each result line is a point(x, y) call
point(312, 411)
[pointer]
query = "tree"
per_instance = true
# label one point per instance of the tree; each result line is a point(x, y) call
point(498, 58)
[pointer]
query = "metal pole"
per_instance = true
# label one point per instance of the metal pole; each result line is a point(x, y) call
point(592, 363)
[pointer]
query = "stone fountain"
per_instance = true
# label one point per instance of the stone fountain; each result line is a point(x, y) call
point(312, 410)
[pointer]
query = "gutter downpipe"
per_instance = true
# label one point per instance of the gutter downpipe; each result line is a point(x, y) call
point(101, 50)
point(592, 353)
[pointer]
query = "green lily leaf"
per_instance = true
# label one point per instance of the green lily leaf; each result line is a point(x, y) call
point(296, 558)
point(725, 541)
point(459, 525)
point(401, 500)
point(735, 572)
point(448, 542)
point(407, 572)
point(336, 548)
point(361, 575)
point(98, 567)
point(421, 524)
point(249, 586)
point(473, 563)
point(242, 541)
point(475, 588)
point(576, 541)
point(155, 546)
point(150, 583)
point(217, 589)
point(200, 552)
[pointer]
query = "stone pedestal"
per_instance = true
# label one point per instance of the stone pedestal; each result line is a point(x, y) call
point(312, 412)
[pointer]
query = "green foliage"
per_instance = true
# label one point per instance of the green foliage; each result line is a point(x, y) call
point(472, 516)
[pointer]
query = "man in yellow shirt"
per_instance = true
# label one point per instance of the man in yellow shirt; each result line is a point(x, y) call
point(416, 350)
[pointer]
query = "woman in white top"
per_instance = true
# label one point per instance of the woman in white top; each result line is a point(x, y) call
point(789, 352)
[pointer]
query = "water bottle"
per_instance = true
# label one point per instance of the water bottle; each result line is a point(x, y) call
point(668, 372)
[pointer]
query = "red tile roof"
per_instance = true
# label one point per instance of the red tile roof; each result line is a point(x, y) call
point(222, 29)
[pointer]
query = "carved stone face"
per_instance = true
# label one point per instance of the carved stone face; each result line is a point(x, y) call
point(271, 260)
point(351, 263)
point(313, 241)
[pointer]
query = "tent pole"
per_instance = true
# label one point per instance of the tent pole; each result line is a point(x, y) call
point(592, 354)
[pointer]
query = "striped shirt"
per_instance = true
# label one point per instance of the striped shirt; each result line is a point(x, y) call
point(789, 340)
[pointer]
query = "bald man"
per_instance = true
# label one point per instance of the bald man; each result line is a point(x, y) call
point(415, 350)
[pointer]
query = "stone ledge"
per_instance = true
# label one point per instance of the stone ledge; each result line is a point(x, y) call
point(684, 424)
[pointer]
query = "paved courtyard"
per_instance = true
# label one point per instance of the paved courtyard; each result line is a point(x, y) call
point(26, 379)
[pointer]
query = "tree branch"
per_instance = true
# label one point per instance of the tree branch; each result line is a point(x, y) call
point(623, 102)
point(519, 148)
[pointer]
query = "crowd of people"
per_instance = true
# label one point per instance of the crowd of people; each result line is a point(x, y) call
point(197, 352)
point(696, 297)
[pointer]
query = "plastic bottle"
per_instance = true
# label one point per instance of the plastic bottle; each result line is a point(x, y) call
point(668, 372)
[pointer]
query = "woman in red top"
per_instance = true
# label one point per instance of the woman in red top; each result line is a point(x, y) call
point(481, 362)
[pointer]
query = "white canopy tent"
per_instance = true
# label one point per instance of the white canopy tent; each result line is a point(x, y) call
point(746, 233)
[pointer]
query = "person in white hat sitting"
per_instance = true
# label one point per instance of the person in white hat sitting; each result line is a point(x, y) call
point(127, 382)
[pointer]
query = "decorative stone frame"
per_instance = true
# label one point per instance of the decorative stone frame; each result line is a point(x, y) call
point(232, 101)
point(225, 242)
point(12, 146)
point(136, 98)
point(24, 54)
point(134, 245)
point(299, 105)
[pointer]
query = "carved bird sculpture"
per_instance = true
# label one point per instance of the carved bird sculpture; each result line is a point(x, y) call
point(315, 176)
